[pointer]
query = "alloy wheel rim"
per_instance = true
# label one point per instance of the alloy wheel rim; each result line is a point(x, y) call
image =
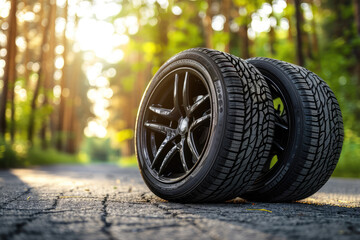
point(282, 123)
point(176, 125)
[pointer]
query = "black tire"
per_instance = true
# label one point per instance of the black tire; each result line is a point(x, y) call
point(225, 153)
point(308, 133)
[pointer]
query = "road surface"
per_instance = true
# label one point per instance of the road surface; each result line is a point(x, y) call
point(107, 202)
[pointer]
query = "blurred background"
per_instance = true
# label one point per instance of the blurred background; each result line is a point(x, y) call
point(72, 72)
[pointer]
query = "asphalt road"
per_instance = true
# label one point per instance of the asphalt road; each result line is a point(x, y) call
point(107, 202)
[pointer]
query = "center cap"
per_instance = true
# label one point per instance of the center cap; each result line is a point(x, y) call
point(184, 125)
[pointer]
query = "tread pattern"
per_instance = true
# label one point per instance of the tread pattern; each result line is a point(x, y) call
point(248, 135)
point(322, 138)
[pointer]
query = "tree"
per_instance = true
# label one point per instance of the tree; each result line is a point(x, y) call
point(60, 123)
point(357, 47)
point(41, 75)
point(299, 41)
point(315, 40)
point(289, 18)
point(9, 74)
point(226, 9)
point(272, 35)
point(244, 40)
point(48, 73)
point(207, 20)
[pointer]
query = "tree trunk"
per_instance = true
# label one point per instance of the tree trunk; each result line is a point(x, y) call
point(299, 41)
point(357, 15)
point(39, 81)
point(290, 35)
point(357, 23)
point(48, 73)
point(272, 39)
point(272, 35)
point(60, 124)
point(163, 26)
point(357, 49)
point(72, 121)
point(12, 68)
point(245, 41)
point(27, 52)
point(226, 8)
point(315, 41)
point(9, 75)
point(208, 31)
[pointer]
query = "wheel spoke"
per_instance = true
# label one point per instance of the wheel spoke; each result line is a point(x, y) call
point(159, 128)
point(159, 151)
point(182, 155)
point(282, 126)
point(284, 116)
point(191, 144)
point(167, 158)
point(279, 119)
point(176, 93)
point(278, 109)
point(153, 143)
point(198, 103)
point(185, 93)
point(274, 92)
point(171, 114)
point(266, 166)
point(278, 145)
point(161, 111)
point(198, 122)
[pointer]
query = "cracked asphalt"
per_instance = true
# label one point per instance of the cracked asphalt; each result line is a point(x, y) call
point(107, 202)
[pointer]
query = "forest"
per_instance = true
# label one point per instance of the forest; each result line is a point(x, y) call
point(72, 72)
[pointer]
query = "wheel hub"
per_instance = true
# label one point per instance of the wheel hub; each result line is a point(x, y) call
point(183, 126)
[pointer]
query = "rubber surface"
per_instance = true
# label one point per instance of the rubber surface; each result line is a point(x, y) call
point(241, 137)
point(316, 135)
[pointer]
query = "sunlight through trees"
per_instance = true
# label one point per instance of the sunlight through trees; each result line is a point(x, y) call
point(73, 70)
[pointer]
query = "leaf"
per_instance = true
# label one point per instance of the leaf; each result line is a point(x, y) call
point(260, 209)
point(124, 135)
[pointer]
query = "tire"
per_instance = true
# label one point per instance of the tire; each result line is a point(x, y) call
point(205, 143)
point(308, 134)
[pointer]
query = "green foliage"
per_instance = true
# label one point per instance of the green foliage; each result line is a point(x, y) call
point(16, 156)
point(100, 150)
point(37, 156)
point(349, 163)
point(128, 161)
point(8, 156)
point(220, 39)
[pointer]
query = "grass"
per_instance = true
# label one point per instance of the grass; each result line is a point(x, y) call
point(349, 162)
point(347, 168)
point(52, 156)
point(128, 161)
point(15, 157)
